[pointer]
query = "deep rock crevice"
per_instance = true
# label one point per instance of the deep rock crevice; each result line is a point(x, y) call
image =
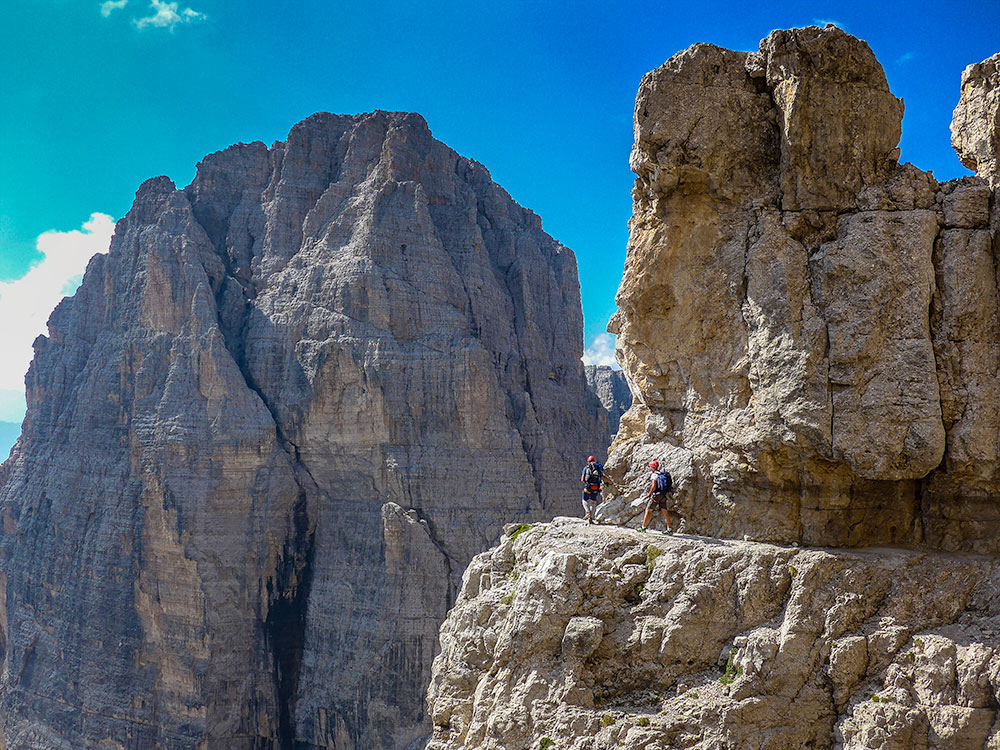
point(285, 624)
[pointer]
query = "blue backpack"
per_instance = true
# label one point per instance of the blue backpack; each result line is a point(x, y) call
point(664, 483)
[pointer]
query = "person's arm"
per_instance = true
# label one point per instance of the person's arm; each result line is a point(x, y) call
point(652, 487)
point(609, 480)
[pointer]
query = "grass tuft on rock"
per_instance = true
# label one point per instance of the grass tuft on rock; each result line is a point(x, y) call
point(652, 552)
point(520, 529)
point(732, 671)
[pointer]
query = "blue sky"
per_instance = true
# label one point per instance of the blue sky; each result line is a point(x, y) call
point(99, 96)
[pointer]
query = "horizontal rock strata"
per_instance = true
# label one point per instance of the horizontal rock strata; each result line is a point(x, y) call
point(812, 330)
point(266, 436)
point(591, 638)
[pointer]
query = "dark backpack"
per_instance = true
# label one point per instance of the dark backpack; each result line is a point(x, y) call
point(664, 482)
point(592, 476)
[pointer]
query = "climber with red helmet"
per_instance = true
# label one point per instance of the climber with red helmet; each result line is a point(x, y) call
point(661, 487)
point(593, 474)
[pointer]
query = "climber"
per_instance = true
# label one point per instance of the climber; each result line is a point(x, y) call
point(661, 487)
point(593, 474)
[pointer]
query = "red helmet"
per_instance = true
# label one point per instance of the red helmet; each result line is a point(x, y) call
point(654, 464)
point(590, 459)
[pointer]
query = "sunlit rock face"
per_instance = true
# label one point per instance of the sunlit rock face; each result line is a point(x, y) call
point(975, 126)
point(811, 329)
point(597, 637)
point(267, 435)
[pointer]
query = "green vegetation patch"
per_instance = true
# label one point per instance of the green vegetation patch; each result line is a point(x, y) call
point(520, 529)
point(545, 743)
point(652, 552)
point(643, 721)
point(507, 599)
point(732, 671)
point(607, 720)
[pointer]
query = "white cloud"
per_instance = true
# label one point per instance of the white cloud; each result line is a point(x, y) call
point(26, 303)
point(601, 351)
point(166, 15)
point(905, 58)
point(827, 21)
point(111, 5)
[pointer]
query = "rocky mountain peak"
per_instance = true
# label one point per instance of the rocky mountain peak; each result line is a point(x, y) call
point(268, 433)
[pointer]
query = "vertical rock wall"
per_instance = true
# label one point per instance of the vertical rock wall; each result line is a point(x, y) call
point(611, 387)
point(266, 436)
point(810, 327)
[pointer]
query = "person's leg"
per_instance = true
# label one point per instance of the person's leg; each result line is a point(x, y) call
point(666, 518)
point(646, 519)
point(586, 506)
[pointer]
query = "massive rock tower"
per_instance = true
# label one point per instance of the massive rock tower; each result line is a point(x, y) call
point(812, 335)
point(811, 329)
point(266, 436)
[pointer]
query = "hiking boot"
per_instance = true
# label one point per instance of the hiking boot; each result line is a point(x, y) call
point(669, 532)
point(587, 517)
point(642, 529)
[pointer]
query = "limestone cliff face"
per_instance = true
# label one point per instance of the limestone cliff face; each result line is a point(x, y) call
point(611, 387)
point(812, 330)
point(598, 638)
point(266, 436)
point(975, 127)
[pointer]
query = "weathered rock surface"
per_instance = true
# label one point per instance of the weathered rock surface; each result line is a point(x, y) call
point(811, 329)
point(266, 436)
point(975, 127)
point(597, 637)
point(611, 387)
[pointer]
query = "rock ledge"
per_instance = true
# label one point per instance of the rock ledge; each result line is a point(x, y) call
point(600, 637)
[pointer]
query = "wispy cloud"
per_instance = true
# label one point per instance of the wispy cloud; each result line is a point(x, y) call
point(825, 21)
point(905, 58)
point(26, 303)
point(111, 5)
point(601, 351)
point(168, 15)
